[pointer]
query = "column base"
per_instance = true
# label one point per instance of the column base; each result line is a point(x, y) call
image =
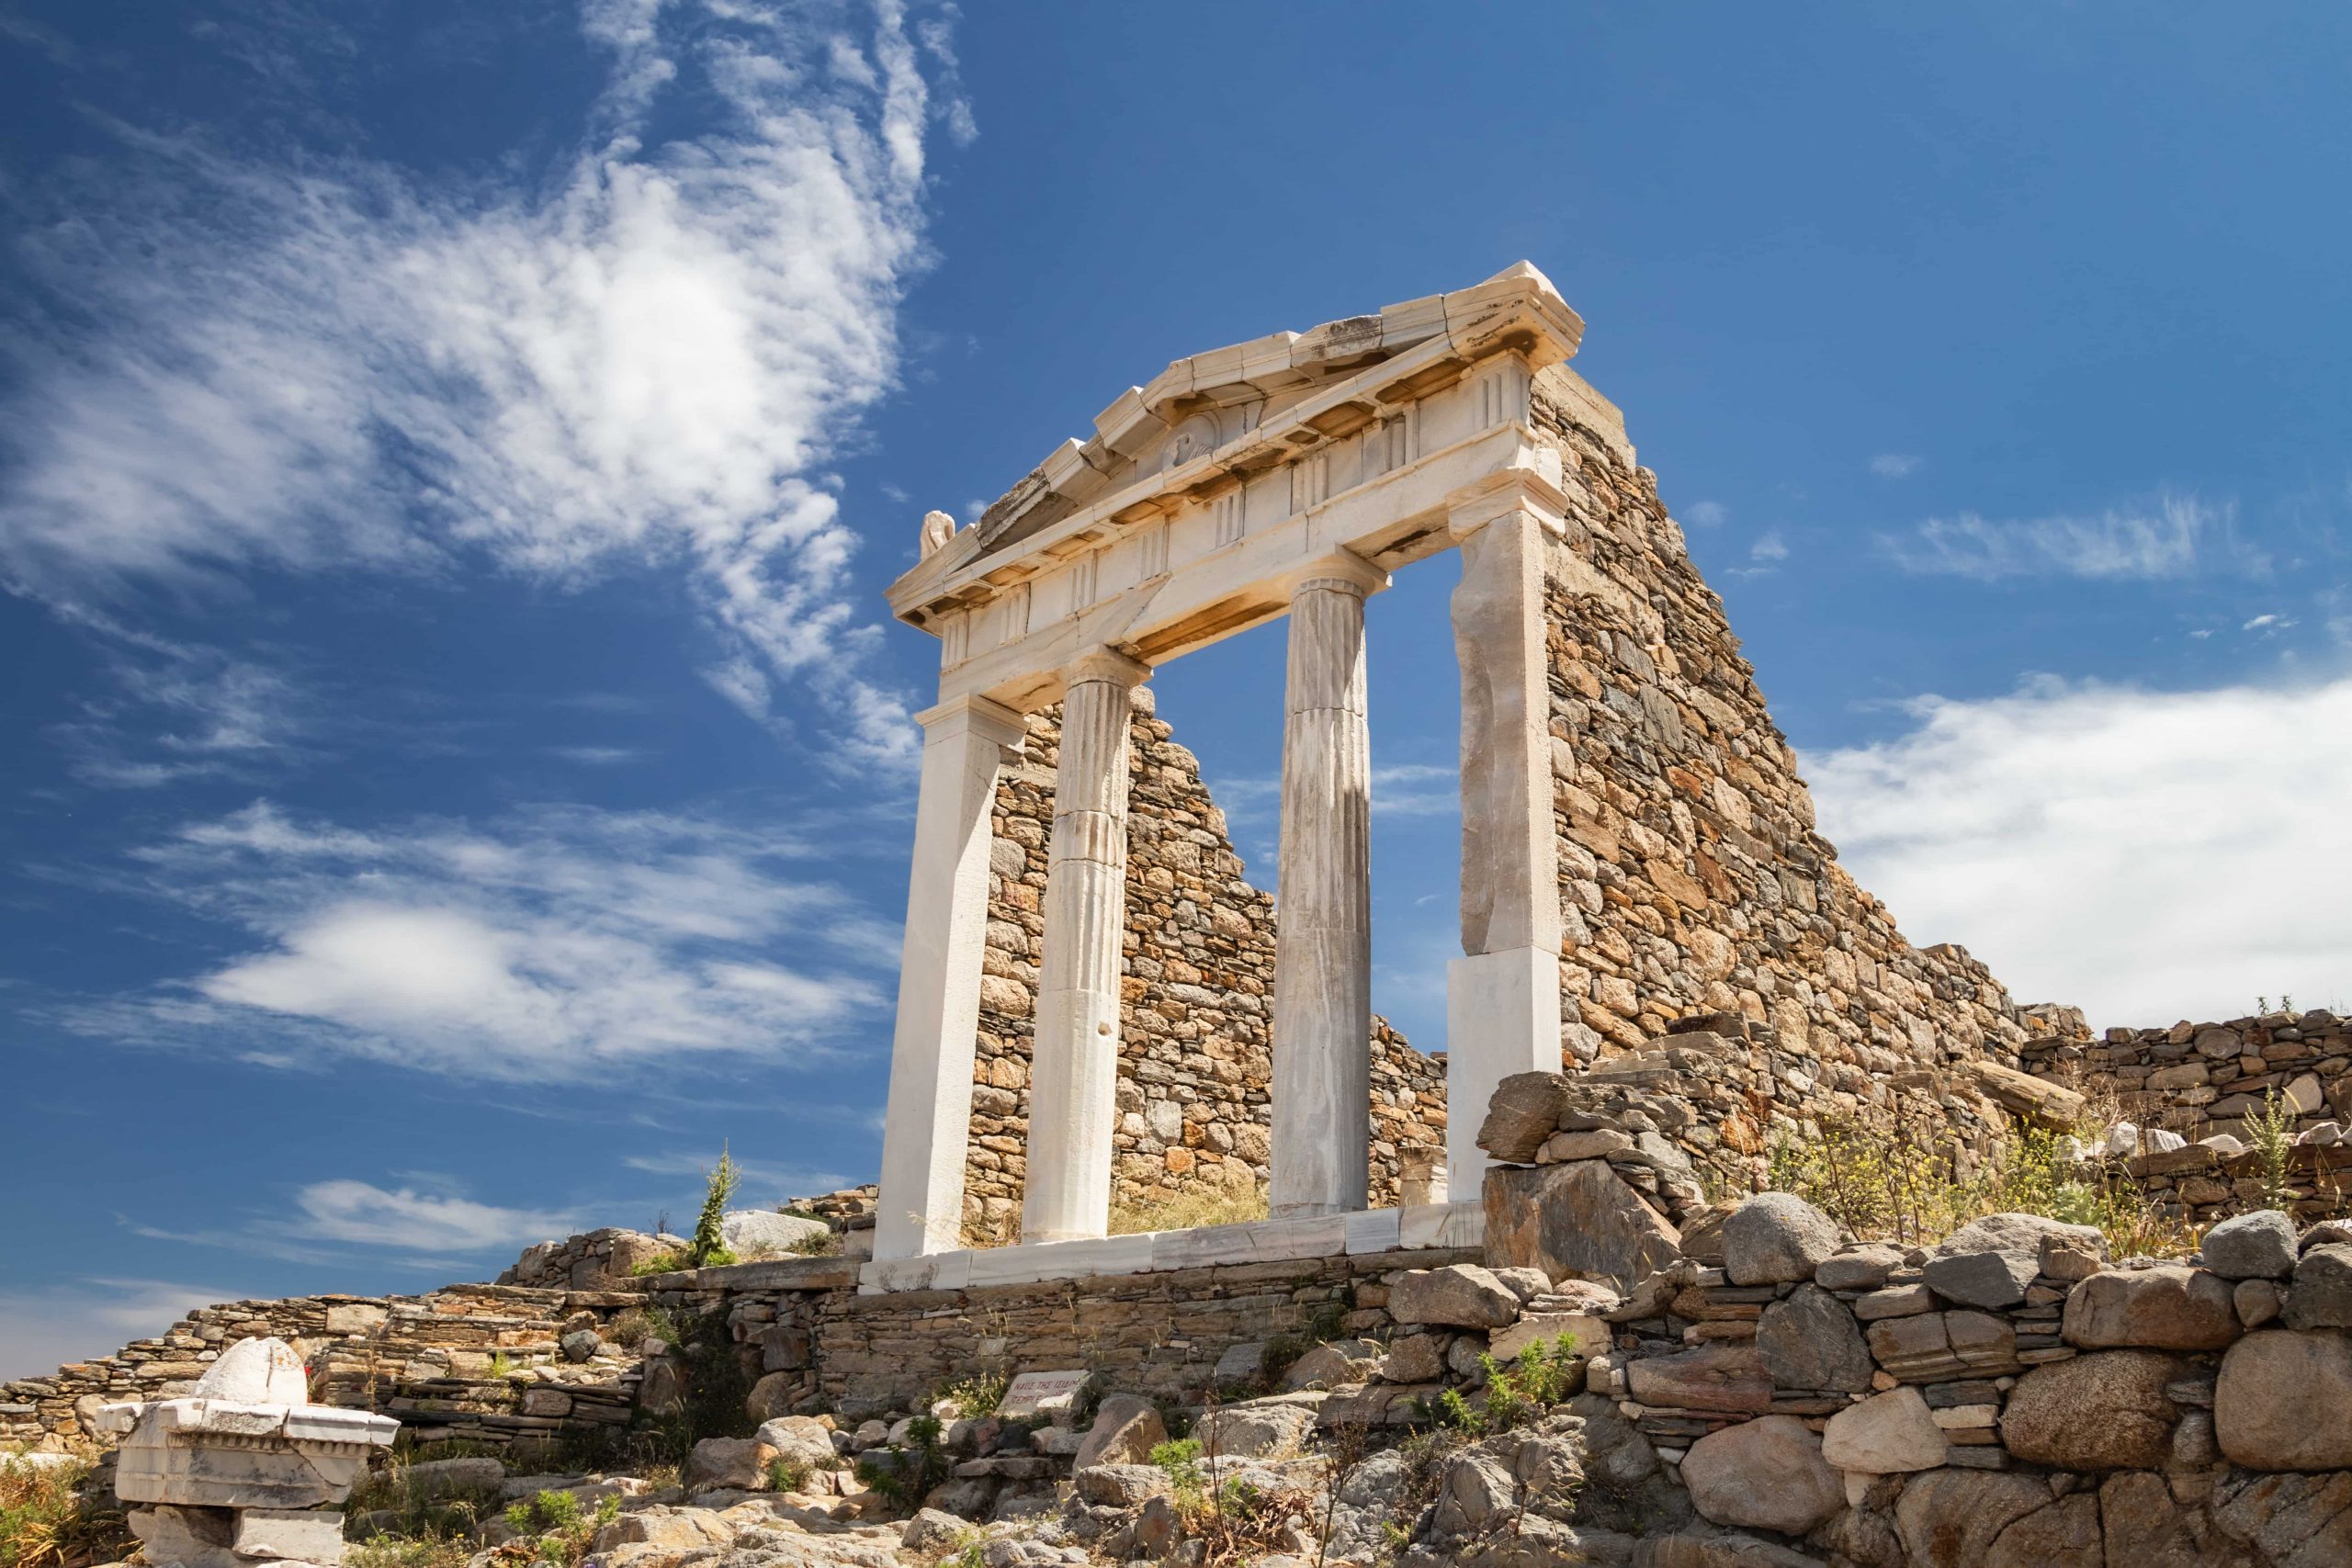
point(1502, 1016)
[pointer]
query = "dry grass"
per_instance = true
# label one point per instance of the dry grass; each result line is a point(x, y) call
point(1190, 1210)
point(48, 1520)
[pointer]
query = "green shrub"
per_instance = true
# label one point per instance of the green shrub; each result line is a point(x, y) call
point(708, 1247)
point(787, 1474)
point(905, 1473)
point(51, 1516)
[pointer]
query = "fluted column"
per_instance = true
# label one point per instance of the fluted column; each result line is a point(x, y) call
point(927, 1126)
point(1322, 1026)
point(1502, 1007)
point(1075, 1066)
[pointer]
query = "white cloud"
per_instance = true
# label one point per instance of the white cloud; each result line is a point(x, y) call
point(178, 710)
point(645, 358)
point(556, 943)
point(1707, 513)
point(1768, 547)
point(409, 1221)
point(41, 1329)
point(1894, 464)
point(2174, 536)
point(2148, 855)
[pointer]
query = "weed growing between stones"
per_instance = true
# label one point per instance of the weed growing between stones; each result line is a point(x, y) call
point(553, 1529)
point(2271, 1134)
point(1517, 1393)
point(905, 1473)
point(51, 1516)
point(975, 1394)
point(1903, 1185)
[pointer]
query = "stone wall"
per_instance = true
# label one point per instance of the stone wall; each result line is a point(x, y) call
point(427, 1359)
point(1193, 1063)
point(1162, 1334)
point(1692, 879)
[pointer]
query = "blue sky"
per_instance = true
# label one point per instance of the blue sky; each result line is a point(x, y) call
point(453, 761)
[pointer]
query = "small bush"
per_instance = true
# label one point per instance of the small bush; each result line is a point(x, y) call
point(662, 1263)
point(787, 1474)
point(51, 1517)
point(2271, 1131)
point(905, 1473)
point(554, 1528)
point(975, 1394)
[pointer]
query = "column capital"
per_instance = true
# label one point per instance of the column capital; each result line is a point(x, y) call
point(1534, 491)
point(974, 714)
point(1341, 568)
point(1105, 664)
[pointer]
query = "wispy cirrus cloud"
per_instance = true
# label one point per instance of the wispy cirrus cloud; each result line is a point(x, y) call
point(2171, 536)
point(642, 358)
point(1894, 464)
point(550, 944)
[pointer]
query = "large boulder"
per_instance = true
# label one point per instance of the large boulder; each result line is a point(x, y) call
point(1991, 1261)
point(2260, 1245)
point(2281, 1399)
point(2296, 1521)
point(1575, 1219)
point(1955, 1518)
point(1126, 1428)
point(1776, 1236)
point(1809, 1340)
point(732, 1464)
point(1763, 1474)
point(763, 1233)
point(1886, 1434)
point(2106, 1411)
point(2320, 1296)
point(772, 1396)
point(1462, 1295)
point(1713, 1377)
point(2172, 1307)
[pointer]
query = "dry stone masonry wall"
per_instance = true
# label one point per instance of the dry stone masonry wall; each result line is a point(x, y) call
point(1194, 1062)
point(1692, 879)
point(488, 1363)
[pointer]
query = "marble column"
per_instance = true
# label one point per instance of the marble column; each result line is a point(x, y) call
point(1502, 1011)
point(927, 1125)
point(1074, 1068)
point(1322, 1024)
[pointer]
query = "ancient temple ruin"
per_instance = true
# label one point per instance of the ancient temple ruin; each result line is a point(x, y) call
point(1637, 848)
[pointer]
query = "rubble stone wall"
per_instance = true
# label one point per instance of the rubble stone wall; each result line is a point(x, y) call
point(1162, 1334)
point(1692, 878)
point(427, 1359)
point(1194, 1059)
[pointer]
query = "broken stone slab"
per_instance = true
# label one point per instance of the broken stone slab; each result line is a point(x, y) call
point(1578, 1220)
point(1991, 1262)
point(1054, 1394)
point(1727, 1377)
point(1523, 1113)
point(1126, 1428)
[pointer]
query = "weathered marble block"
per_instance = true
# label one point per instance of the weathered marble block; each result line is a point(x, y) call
point(245, 1470)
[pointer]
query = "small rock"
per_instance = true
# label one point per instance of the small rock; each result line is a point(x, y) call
point(1258, 1429)
point(1884, 1435)
point(2320, 1296)
point(736, 1464)
point(1121, 1485)
point(1808, 1340)
point(932, 1532)
point(2258, 1245)
point(802, 1439)
point(1990, 1262)
point(1525, 1283)
point(1414, 1358)
point(1859, 1268)
point(580, 1344)
point(1462, 1295)
point(1776, 1236)
point(2257, 1302)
